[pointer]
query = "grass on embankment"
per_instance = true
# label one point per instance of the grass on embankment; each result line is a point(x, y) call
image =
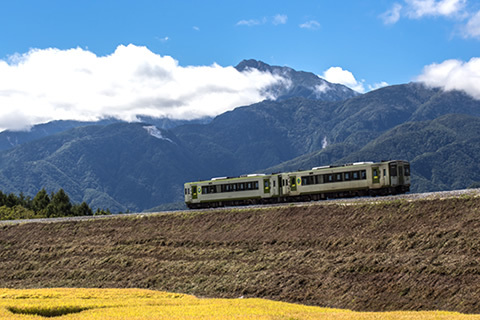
point(147, 304)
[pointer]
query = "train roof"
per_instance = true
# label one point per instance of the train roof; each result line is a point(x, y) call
point(320, 168)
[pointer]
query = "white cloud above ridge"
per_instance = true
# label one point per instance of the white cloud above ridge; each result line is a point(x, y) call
point(345, 77)
point(454, 75)
point(52, 84)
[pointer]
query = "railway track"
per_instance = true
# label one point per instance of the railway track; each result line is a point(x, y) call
point(344, 201)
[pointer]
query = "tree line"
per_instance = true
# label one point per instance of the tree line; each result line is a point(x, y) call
point(43, 205)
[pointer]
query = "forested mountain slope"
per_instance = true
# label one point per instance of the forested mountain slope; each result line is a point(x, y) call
point(137, 166)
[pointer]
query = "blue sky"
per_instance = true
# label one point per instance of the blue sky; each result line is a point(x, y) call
point(368, 43)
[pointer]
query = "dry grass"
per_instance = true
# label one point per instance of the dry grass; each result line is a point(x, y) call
point(147, 304)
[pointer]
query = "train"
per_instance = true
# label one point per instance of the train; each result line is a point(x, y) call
point(320, 183)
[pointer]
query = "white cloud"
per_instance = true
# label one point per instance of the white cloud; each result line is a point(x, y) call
point(454, 75)
point(322, 88)
point(378, 85)
point(393, 15)
point(472, 28)
point(416, 9)
point(275, 20)
point(312, 24)
point(249, 23)
point(280, 19)
point(52, 84)
point(345, 77)
point(421, 8)
point(164, 39)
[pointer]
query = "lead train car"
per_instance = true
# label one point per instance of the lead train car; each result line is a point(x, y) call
point(350, 180)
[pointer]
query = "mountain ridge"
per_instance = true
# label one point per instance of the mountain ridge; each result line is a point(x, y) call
point(138, 166)
point(302, 84)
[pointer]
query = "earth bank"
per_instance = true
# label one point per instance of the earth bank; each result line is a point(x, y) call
point(393, 255)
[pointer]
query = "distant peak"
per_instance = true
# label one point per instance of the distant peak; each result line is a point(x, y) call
point(298, 83)
point(252, 63)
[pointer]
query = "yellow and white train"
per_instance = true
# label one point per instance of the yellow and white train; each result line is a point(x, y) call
point(349, 180)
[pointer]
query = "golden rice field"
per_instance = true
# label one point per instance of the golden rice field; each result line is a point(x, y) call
point(147, 304)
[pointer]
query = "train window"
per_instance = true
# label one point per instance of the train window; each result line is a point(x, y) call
point(347, 176)
point(274, 183)
point(307, 180)
point(328, 178)
point(393, 169)
point(384, 172)
point(249, 186)
point(256, 185)
point(400, 171)
point(339, 177)
point(186, 190)
point(355, 175)
point(407, 170)
point(318, 179)
point(266, 184)
point(363, 174)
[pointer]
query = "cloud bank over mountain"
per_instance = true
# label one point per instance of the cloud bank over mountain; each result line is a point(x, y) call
point(52, 84)
point(454, 75)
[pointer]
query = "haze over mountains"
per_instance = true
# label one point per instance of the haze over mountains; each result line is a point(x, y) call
point(137, 166)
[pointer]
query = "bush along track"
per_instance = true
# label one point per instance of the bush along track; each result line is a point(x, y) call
point(394, 255)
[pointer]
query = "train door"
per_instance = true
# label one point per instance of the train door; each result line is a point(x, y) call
point(392, 168)
point(376, 175)
point(266, 186)
point(384, 176)
point(194, 192)
point(293, 183)
point(400, 175)
point(280, 185)
point(284, 184)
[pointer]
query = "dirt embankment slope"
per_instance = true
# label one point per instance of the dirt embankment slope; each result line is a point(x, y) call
point(395, 255)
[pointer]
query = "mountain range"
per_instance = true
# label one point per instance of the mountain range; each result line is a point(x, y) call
point(137, 166)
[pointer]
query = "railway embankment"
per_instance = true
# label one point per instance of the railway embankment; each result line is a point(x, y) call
point(403, 254)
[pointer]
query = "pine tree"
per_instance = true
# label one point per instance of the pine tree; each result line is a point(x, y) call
point(60, 205)
point(11, 200)
point(82, 210)
point(41, 201)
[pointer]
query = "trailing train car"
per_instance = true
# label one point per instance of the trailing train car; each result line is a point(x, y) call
point(319, 183)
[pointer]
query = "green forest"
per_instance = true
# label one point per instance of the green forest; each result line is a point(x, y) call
point(43, 205)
